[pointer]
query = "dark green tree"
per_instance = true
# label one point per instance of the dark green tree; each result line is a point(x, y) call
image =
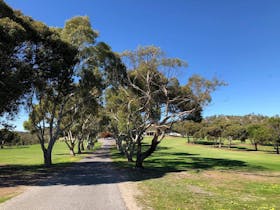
point(259, 134)
point(274, 124)
point(27, 49)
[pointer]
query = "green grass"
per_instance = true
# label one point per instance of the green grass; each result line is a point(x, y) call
point(5, 198)
point(23, 165)
point(188, 176)
point(33, 155)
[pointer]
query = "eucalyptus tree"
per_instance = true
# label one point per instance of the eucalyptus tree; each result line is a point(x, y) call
point(274, 124)
point(125, 119)
point(28, 49)
point(187, 128)
point(259, 134)
point(214, 132)
point(8, 137)
point(72, 87)
point(235, 131)
point(153, 98)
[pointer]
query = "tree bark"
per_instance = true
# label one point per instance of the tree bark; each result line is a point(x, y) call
point(130, 151)
point(277, 149)
point(142, 156)
point(79, 147)
point(189, 141)
point(129, 156)
point(139, 161)
point(72, 152)
point(120, 147)
point(2, 144)
point(47, 157)
point(256, 146)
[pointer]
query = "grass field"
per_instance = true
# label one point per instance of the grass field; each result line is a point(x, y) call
point(188, 176)
point(33, 155)
point(22, 166)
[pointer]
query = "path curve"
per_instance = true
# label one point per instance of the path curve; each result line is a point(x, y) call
point(91, 183)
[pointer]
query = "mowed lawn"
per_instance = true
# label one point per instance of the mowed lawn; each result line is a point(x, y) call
point(23, 166)
point(33, 155)
point(187, 176)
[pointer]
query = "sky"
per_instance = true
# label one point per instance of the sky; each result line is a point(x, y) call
point(234, 40)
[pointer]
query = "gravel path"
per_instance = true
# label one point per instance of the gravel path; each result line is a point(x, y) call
point(90, 184)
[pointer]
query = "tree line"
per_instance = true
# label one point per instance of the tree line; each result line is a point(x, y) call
point(258, 129)
point(74, 86)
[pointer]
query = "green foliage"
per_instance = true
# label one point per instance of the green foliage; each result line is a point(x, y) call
point(236, 131)
point(31, 55)
point(274, 124)
point(152, 97)
point(78, 31)
point(27, 138)
point(259, 133)
point(8, 137)
point(187, 128)
point(202, 88)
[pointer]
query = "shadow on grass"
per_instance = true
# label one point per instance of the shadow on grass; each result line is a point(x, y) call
point(204, 142)
point(195, 163)
point(14, 147)
point(242, 148)
point(95, 170)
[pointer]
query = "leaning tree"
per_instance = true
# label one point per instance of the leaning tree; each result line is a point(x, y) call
point(153, 97)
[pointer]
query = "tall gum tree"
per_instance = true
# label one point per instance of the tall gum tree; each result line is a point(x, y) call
point(93, 67)
point(156, 99)
point(26, 46)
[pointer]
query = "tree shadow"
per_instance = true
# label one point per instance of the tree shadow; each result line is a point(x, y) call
point(209, 143)
point(14, 147)
point(91, 172)
point(235, 147)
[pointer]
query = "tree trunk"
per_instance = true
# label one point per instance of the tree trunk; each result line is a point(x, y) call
point(72, 152)
point(129, 153)
point(277, 148)
point(220, 142)
point(2, 144)
point(139, 160)
point(70, 142)
point(82, 146)
point(47, 157)
point(256, 146)
point(129, 156)
point(216, 142)
point(119, 146)
point(142, 156)
point(230, 141)
point(139, 163)
point(79, 147)
point(189, 141)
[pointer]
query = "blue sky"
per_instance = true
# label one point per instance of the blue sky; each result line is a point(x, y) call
point(235, 40)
